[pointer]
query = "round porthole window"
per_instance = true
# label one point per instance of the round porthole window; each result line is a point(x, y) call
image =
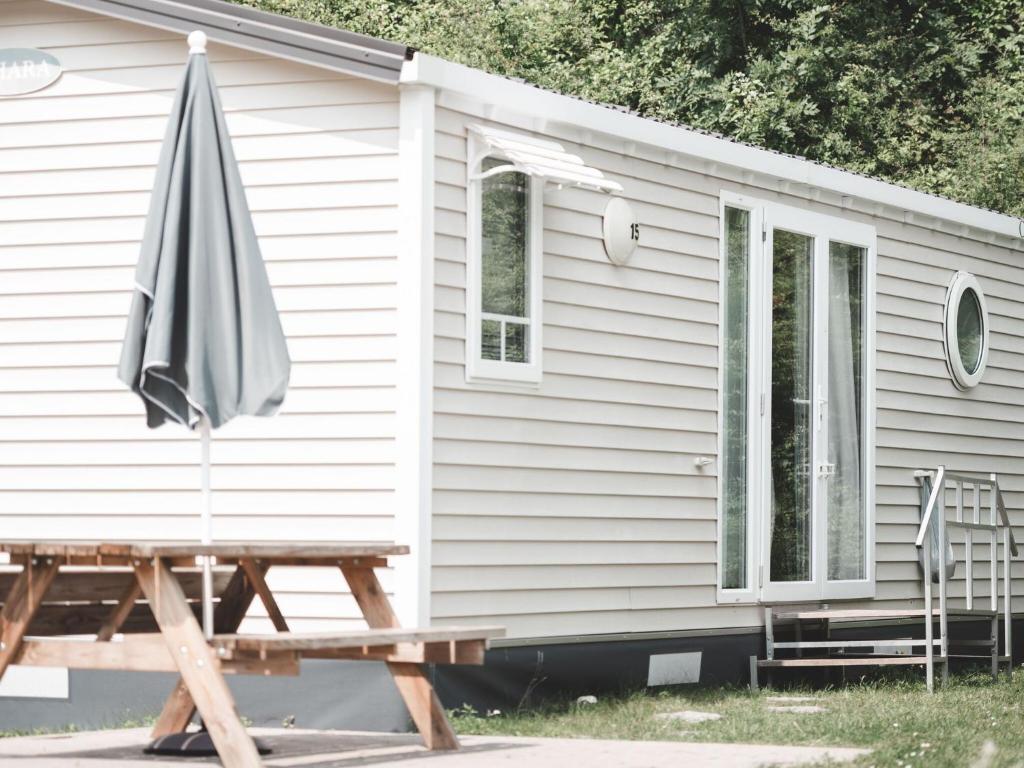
point(966, 330)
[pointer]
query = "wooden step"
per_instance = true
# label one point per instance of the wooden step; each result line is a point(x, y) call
point(857, 643)
point(899, 642)
point(866, 660)
point(870, 660)
point(871, 614)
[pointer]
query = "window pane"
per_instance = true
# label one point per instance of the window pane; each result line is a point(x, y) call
point(846, 511)
point(791, 406)
point(504, 268)
point(969, 331)
point(734, 436)
point(516, 335)
point(490, 340)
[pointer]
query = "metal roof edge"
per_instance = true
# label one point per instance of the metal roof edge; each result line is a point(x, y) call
point(530, 100)
point(394, 63)
point(263, 32)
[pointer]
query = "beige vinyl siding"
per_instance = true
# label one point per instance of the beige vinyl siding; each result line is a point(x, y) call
point(576, 509)
point(318, 155)
point(923, 420)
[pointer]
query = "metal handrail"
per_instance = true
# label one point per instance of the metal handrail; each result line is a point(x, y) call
point(938, 482)
point(1001, 506)
point(995, 527)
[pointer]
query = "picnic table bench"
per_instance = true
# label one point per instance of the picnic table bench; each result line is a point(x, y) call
point(135, 606)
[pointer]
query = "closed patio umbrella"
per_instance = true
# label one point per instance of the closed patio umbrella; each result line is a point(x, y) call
point(204, 341)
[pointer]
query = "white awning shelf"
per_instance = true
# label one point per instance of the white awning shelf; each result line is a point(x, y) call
point(537, 157)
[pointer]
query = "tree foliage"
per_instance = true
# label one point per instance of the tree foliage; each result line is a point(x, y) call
point(926, 93)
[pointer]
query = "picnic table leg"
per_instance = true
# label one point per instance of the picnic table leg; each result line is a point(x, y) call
point(254, 573)
point(119, 612)
point(22, 603)
point(197, 663)
point(179, 709)
point(416, 691)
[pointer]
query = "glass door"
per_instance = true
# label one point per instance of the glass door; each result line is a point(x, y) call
point(845, 422)
point(790, 440)
point(816, 536)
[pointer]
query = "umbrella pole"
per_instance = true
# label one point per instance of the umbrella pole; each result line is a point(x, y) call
point(207, 524)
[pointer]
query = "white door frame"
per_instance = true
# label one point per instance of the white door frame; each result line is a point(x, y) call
point(791, 220)
point(824, 229)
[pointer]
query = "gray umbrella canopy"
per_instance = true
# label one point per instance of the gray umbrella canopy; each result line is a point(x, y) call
point(203, 336)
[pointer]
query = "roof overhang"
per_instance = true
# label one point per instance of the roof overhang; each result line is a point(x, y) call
point(501, 94)
point(364, 56)
point(267, 33)
point(542, 158)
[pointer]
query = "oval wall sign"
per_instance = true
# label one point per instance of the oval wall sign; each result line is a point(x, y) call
point(24, 70)
point(621, 231)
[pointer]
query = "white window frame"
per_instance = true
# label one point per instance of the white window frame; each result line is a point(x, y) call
point(747, 594)
point(478, 369)
point(763, 215)
point(961, 282)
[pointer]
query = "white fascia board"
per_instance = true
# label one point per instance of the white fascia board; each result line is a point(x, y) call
point(532, 101)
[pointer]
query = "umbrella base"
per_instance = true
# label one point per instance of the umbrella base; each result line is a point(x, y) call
point(191, 744)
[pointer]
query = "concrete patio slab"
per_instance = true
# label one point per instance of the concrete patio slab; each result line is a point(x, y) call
point(294, 748)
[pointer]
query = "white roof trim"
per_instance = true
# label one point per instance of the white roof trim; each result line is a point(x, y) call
point(542, 158)
point(531, 101)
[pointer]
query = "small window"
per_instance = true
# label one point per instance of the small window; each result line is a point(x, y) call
point(503, 317)
point(504, 265)
point(966, 330)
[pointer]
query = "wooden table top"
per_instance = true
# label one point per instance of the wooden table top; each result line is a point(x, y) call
point(292, 551)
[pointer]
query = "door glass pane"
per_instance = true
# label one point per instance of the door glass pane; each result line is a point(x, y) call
point(846, 511)
point(734, 418)
point(792, 304)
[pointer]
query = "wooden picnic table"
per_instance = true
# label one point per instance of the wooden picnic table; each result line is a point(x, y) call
point(135, 606)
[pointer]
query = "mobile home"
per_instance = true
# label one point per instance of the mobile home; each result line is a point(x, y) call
point(618, 383)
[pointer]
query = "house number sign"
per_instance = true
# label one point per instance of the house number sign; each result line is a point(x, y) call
point(621, 231)
point(24, 70)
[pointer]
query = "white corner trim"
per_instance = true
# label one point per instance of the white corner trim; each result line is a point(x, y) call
point(526, 99)
point(415, 360)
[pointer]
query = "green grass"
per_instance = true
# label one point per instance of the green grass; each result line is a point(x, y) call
point(896, 717)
